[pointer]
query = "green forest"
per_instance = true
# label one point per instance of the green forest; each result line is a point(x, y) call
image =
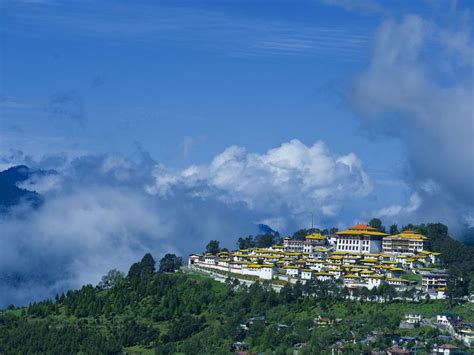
point(158, 308)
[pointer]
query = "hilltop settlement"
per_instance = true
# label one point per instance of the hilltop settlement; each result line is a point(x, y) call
point(355, 291)
point(360, 257)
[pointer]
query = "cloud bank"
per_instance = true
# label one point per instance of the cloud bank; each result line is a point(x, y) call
point(418, 88)
point(293, 178)
point(106, 211)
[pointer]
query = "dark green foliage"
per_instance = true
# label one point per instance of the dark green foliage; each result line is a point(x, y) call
point(259, 241)
point(393, 229)
point(467, 237)
point(453, 252)
point(246, 243)
point(183, 327)
point(377, 224)
point(213, 247)
point(170, 263)
point(144, 268)
point(176, 312)
point(455, 255)
point(457, 284)
point(302, 233)
point(199, 315)
point(45, 336)
point(113, 278)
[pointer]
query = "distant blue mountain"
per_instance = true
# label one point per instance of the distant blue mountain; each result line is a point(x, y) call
point(263, 228)
point(11, 194)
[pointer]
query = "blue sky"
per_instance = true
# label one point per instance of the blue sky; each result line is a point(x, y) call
point(215, 73)
point(224, 114)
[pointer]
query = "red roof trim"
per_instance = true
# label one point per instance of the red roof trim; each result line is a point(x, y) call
point(362, 227)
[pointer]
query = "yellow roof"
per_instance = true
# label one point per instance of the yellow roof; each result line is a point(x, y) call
point(315, 236)
point(349, 256)
point(375, 276)
point(360, 232)
point(397, 280)
point(351, 276)
point(257, 266)
point(410, 234)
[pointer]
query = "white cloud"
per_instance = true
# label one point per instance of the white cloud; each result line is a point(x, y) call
point(42, 184)
point(189, 143)
point(419, 78)
point(73, 239)
point(414, 203)
point(293, 178)
point(106, 211)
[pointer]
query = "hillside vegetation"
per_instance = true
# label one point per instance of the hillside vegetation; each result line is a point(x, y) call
point(175, 312)
point(167, 312)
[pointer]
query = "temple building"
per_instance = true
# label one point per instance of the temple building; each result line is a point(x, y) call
point(310, 242)
point(407, 242)
point(360, 238)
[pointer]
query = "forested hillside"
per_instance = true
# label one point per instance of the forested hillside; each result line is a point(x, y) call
point(168, 312)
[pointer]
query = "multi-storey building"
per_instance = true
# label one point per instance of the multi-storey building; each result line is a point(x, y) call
point(434, 280)
point(308, 245)
point(360, 238)
point(407, 242)
point(292, 245)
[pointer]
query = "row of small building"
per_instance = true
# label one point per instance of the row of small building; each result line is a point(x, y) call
point(453, 324)
point(360, 255)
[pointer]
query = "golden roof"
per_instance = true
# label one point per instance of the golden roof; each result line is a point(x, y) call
point(359, 232)
point(408, 234)
point(315, 236)
point(351, 276)
point(397, 280)
point(359, 229)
